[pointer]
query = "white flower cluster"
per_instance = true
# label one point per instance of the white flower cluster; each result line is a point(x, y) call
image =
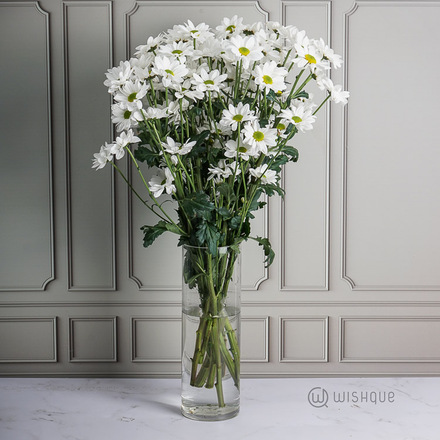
point(231, 81)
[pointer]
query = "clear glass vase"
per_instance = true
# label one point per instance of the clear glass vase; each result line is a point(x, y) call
point(211, 306)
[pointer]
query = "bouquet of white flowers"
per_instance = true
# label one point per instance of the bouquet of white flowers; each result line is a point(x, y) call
point(213, 111)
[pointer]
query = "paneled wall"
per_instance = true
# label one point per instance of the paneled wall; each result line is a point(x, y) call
point(355, 287)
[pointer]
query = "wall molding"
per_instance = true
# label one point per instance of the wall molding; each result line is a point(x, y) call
point(356, 7)
point(89, 319)
point(51, 275)
point(266, 341)
point(343, 320)
point(323, 320)
point(324, 286)
point(134, 337)
point(51, 320)
point(70, 241)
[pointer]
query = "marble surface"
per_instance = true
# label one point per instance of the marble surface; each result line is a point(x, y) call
point(297, 408)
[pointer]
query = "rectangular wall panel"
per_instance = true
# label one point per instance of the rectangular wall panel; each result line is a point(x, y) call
point(88, 55)
point(303, 339)
point(254, 339)
point(305, 208)
point(26, 232)
point(28, 340)
point(391, 176)
point(92, 339)
point(156, 339)
point(390, 339)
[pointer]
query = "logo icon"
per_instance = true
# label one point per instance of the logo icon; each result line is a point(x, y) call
point(318, 397)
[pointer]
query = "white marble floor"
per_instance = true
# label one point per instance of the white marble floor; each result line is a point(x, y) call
point(284, 409)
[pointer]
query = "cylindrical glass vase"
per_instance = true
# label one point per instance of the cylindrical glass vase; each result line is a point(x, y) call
point(211, 304)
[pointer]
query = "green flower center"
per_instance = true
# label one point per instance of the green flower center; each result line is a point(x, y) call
point(170, 72)
point(258, 136)
point(242, 150)
point(131, 97)
point(310, 58)
point(267, 79)
point(127, 114)
point(209, 82)
point(281, 126)
point(244, 51)
point(177, 51)
point(230, 28)
point(237, 118)
point(296, 119)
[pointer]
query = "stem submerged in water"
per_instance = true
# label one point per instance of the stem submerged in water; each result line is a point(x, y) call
point(216, 348)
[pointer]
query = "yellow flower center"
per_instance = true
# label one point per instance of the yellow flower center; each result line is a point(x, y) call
point(258, 136)
point(244, 51)
point(310, 58)
point(267, 79)
point(296, 119)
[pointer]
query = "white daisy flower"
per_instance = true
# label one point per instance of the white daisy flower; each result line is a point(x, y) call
point(309, 55)
point(104, 156)
point(270, 77)
point(171, 70)
point(229, 26)
point(123, 118)
point(234, 115)
point(262, 172)
point(189, 31)
point(210, 81)
point(163, 181)
point(172, 147)
point(150, 47)
point(299, 115)
point(124, 139)
point(118, 76)
point(177, 49)
point(223, 171)
point(329, 53)
point(245, 49)
point(260, 137)
point(130, 95)
point(243, 150)
point(185, 90)
point(337, 95)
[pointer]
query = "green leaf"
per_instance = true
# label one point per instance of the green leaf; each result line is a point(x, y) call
point(270, 189)
point(197, 204)
point(208, 235)
point(235, 222)
point(292, 153)
point(224, 212)
point(267, 247)
point(152, 232)
point(279, 162)
point(145, 154)
point(255, 203)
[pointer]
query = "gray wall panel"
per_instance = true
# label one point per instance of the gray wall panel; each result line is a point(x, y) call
point(26, 235)
point(88, 55)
